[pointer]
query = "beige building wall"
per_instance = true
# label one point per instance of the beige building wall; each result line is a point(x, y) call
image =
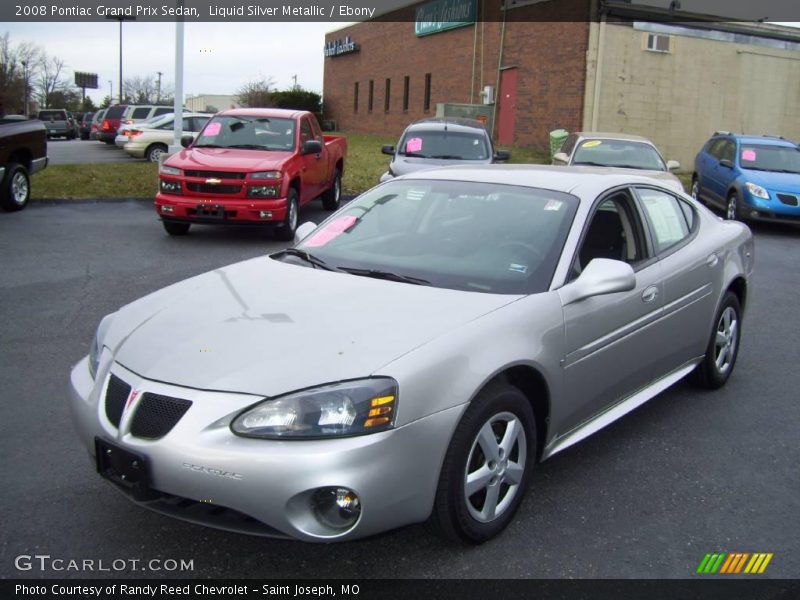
point(679, 98)
point(204, 101)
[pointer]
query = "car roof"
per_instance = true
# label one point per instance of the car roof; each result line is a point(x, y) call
point(572, 180)
point(286, 113)
point(450, 123)
point(768, 140)
point(607, 135)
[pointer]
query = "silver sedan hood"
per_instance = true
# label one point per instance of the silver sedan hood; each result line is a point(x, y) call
point(266, 327)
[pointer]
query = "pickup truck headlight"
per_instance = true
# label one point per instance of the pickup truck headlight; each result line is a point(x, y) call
point(171, 187)
point(265, 175)
point(334, 410)
point(263, 191)
point(165, 170)
point(96, 349)
point(757, 190)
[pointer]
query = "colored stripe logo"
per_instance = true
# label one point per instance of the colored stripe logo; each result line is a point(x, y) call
point(735, 562)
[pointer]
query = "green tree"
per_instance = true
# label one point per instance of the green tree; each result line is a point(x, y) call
point(298, 99)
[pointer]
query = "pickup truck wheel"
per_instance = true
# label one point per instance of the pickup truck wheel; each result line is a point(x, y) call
point(16, 188)
point(332, 197)
point(154, 152)
point(286, 231)
point(174, 228)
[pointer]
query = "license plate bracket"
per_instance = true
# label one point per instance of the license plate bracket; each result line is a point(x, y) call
point(211, 211)
point(127, 470)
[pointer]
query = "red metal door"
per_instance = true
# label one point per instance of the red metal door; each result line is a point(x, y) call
point(507, 107)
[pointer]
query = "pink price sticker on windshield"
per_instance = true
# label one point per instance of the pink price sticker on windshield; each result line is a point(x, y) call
point(331, 231)
point(749, 155)
point(414, 145)
point(213, 129)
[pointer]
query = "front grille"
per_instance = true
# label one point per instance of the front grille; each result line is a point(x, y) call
point(788, 199)
point(117, 394)
point(213, 189)
point(156, 415)
point(215, 174)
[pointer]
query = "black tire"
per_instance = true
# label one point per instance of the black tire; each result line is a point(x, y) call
point(723, 345)
point(732, 207)
point(332, 197)
point(286, 230)
point(471, 518)
point(16, 188)
point(175, 228)
point(154, 151)
point(695, 190)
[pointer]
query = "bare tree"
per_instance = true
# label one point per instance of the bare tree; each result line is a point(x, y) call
point(255, 94)
point(140, 90)
point(50, 79)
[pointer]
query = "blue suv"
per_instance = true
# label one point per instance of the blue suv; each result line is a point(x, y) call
point(749, 176)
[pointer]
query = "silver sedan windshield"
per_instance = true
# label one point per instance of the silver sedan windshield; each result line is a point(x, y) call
point(479, 237)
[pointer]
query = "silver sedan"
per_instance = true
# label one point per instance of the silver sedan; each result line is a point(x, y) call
point(414, 356)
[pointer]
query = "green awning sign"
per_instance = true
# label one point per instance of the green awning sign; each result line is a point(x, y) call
point(442, 15)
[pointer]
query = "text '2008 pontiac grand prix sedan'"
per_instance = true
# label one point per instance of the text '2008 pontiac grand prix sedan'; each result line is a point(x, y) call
point(415, 355)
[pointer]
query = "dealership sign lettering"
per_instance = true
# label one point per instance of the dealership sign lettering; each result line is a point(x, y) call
point(442, 15)
point(339, 47)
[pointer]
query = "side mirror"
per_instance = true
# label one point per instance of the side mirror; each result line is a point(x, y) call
point(601, 276)
point(312, 147)
point(302, 232)
point(501, 155)
point(388, 150)
point(186, 140)
point(726, 163)
point(673, 165)
point(560, 158)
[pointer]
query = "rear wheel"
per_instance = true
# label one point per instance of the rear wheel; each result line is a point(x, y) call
point(173, 228)
point(286, 231)
point(723, 347)
point(487, 466)
point(155, 152)
point(732, 206)
point(16, 188)
point(332, 197)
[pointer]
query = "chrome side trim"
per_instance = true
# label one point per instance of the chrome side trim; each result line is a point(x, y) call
point(620, 409)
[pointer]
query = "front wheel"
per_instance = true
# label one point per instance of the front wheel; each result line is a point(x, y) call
point(16, 188)
point(695, 193)
point(286, 231)
point(723, 347)
point(333, 196)
point(487, 466)
point(732, 207)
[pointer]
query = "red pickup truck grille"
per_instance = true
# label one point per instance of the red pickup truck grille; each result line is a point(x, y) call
point(215, 174)
point(204, 188)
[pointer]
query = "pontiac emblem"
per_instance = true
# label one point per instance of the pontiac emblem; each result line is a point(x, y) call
point(213, 181)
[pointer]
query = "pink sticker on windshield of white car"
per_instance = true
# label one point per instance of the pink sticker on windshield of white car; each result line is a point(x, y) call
point(332, 230)
point(414, 145)
point(749, 155)
point(212, 129)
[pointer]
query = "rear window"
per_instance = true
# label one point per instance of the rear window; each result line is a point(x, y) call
point(140, 113)
point(115, 112)
point(58, 115)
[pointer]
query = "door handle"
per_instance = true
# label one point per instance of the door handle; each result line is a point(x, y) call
point(712, 260)
point(650, 294)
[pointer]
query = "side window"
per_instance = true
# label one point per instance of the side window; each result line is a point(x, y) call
point(141, 112)
point(666, 217)
point(162, 111)
point(317, 131)
point(305, 131)
point(728, 151)
point(614, 231)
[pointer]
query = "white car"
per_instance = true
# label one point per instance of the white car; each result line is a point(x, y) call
point(152, 141)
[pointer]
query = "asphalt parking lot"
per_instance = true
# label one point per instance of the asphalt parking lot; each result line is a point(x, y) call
point(689, 473)
point(82, 152)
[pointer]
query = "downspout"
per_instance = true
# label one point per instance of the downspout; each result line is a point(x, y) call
point(474, 57)
point(499, 66)
point(598, 72)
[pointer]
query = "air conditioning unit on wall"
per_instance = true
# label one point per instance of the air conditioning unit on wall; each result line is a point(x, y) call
point(488, 94)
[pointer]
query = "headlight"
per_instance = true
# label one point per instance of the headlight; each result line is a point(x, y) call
point(263, 191)
point(757, 190)
point(170, 187)
point(338, 409)
point(266, 175)
point(96, 348)
point(170, 170)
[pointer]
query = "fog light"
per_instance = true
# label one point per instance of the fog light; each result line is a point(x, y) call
point(265, 214)
point(336, 507)
point(754, 214)
point(166, 209)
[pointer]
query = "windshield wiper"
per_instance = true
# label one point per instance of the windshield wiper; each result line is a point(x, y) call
point(388, 275)
point(318, 263)
point(208, 146)
point(248, 146)
point(414, 155)
point(448, 157)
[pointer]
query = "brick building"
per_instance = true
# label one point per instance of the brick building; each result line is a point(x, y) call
point(539, 65)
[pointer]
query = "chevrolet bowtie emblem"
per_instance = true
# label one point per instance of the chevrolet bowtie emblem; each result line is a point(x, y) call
point(214, 181)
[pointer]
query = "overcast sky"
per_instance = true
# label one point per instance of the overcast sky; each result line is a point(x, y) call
point(218, 57)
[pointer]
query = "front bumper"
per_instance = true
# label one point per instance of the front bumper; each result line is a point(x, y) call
point(238, 211)
point(267, 484)
point(781, 207)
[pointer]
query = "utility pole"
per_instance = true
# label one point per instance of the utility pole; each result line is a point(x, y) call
point(294, 77)
point(158, 87)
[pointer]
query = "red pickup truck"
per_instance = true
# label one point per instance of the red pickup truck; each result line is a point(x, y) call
point(251, 166)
